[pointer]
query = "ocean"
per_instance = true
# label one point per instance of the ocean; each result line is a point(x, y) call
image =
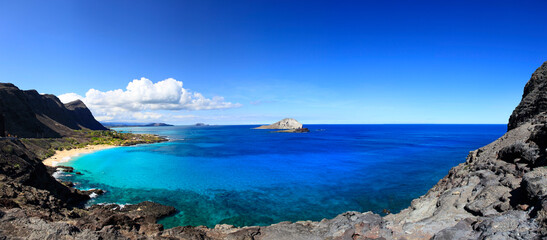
point(241, 176)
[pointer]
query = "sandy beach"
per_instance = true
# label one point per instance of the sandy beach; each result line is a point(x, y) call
point(66, 155)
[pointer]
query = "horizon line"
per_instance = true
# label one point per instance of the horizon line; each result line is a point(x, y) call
point(253, 124)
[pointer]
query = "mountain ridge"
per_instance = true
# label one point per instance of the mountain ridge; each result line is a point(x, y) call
point(122, 124)
point(32, 115)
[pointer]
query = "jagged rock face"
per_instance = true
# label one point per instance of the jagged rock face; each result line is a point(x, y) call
point(499, 192)
point(30, 114)
point(287, 123)
point(534, 99)
point(25, 183)
point(98, 222)
point(494, 194)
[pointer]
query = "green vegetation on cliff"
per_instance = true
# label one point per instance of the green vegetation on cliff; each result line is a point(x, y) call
point(119, 138)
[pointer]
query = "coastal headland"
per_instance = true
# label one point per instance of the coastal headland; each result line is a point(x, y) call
point(499, 192)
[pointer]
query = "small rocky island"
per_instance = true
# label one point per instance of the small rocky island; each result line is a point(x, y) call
point(286, 125)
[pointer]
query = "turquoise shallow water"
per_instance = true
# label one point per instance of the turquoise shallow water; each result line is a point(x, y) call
point(240, 176)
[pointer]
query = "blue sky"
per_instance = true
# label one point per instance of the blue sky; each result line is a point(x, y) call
point(316, 61)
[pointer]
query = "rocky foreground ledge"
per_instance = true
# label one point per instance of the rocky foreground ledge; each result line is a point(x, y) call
point(500, 192)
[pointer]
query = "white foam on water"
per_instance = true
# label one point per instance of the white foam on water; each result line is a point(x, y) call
point(120, 206)
point(58, 173)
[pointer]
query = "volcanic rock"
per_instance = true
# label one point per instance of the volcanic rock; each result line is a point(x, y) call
point(534, 100)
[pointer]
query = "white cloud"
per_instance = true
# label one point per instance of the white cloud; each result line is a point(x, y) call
point(69, 97)
point(147, 115)
point(142, 99)
point(183, 116)
point(104, 118)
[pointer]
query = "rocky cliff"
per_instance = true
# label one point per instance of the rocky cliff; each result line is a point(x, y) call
point(26, 181)
point(30, 114)
point(534, 99)
point(499, 192)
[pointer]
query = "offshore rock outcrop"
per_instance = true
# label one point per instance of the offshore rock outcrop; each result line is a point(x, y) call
point(287, 123)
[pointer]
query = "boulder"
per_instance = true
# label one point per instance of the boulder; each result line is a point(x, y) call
point(488, 200)
point(535, 183)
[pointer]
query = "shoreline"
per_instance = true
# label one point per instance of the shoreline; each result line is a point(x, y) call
point(64, 156)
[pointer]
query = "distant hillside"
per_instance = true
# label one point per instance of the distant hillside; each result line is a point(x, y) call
point(30, 114)
point(120, 124)
point(83, 116)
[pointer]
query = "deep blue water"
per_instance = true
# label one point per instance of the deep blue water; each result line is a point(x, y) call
point(240, 176)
